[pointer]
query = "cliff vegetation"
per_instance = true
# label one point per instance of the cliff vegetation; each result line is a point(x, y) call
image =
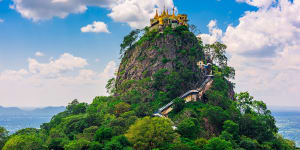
point(157, 67)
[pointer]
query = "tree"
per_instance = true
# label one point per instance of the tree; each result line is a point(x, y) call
point(256, 121)
point(150, 133)
point(27, 131)
point(189, 128)
point(76, 108)
point(259, 127)
point(3, 136)
point(110, 86)
point(217, 53)
point(57, 143)
point(103, 134)
point(184, 144)
point(57, 133)
point(248, 143)
point(95, 146)
point(178, 104)
point(217, 143)
point(228, 137)
point(216, 116)
point(80, 144)
point(89, 133)
point(283, 144)
point(228, 72)
point(218, 98)
point(121, 108)
point(117, 143)
point(201, 142)
point(74, 124)
point(25, 142)
point(193, 28)
point(231, 127)
point(245, 102)
point(129, 40)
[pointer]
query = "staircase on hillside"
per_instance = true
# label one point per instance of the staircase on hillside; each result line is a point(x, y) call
point(189, 96)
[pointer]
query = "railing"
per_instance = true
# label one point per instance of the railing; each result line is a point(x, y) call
point(209, 78)
point(202, 87)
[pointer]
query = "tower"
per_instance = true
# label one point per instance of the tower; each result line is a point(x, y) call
point(173, 15)
point(156, 15)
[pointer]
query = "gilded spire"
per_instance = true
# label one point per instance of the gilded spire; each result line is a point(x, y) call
point(156, 14)
point(173, 12)
point(164, 12)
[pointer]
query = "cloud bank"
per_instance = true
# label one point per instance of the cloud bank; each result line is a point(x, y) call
point(56, 82)
point(136, 13)
point(215, 34)
point(258, 3)
point(265, 51)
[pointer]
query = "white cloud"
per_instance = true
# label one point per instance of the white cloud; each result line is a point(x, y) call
point(109, 70)
point(70, 79)
point(96, 27)
point(13, 75)
point(137, 12)
point(1, 20)
point(258, 3)
point(265, 51)
point(214, 35)
point(134, 12)
point(60, 1)
point(264, 48)
point(47, 9)
point(65, 63)
point(39, 54)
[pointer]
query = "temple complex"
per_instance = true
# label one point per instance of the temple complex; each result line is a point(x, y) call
point(165, 19)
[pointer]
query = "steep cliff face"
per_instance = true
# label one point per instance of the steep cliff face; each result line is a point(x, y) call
point(177, 51)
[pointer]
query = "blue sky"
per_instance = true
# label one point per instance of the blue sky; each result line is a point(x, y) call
point(57, 50)
point(56, 36)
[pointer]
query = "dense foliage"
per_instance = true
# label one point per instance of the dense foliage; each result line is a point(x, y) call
point(124, 121)
point(3, 136)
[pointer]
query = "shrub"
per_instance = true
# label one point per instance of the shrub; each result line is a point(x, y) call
point(117, 143)
point(189, 128)
point(218, 144)
point(103, 134)
point(150, 133)
point(248, 143)
point(25, 142)
point(201, 142)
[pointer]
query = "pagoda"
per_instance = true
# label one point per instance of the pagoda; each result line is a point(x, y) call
point(165, 19)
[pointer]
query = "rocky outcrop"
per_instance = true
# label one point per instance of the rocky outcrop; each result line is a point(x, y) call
point(168, 51)
point(175, 52)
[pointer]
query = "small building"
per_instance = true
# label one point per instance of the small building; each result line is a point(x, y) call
point(165, 19)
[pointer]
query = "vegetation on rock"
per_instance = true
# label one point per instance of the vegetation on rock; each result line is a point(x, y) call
point(156, 68)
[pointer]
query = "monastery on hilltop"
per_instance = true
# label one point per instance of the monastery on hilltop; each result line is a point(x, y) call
point(166, 19)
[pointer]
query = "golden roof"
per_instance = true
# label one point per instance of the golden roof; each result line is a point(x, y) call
point(165, 15)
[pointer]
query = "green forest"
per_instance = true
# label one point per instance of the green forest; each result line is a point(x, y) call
point(221, 120)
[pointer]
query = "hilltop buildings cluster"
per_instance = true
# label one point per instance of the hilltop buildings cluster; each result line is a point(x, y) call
point(165, 19)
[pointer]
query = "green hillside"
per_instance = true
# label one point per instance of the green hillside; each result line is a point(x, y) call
point(158, 67)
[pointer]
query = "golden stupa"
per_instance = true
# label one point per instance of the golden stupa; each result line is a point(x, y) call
point(166, 19)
